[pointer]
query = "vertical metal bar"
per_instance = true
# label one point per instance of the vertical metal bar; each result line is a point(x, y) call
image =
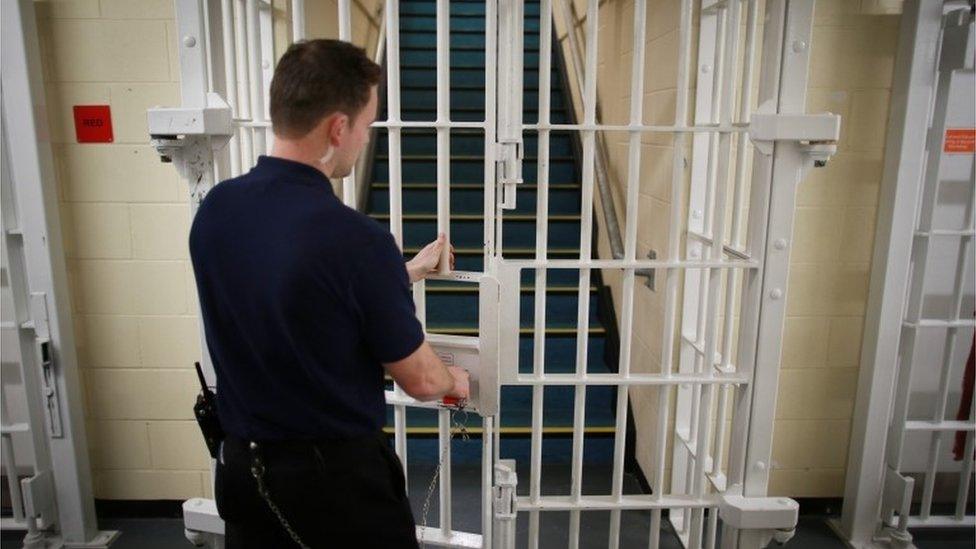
point(230, 80)
point(256, 77)
point(443, 131)
point(586, 228)
point(243, 72)
point(396, 186)
point(297, 20)
point(965, 474)
point(674, 249)
point(393, 114)
point(541, 253)
point(487, 465)
point(345, 34)
point(491, 88)
point(345, 21)
point(723, 96)
point(630, 253)
point(444, 439)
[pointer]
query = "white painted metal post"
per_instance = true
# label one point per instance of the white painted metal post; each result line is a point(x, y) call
point(255, 75)
point(586, 245)
point(630, 254)
point(783, 81)
point(541, 251)
point(297, 20)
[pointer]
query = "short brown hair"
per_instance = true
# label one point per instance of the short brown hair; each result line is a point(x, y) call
point(316, 78)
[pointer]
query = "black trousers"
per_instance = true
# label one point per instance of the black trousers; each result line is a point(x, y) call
point(347, 493)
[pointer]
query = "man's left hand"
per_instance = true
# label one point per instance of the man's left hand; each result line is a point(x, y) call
point(427, 260)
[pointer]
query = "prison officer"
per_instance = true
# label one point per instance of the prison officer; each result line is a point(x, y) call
point(306, 303)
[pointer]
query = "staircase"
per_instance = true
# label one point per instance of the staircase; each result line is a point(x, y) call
point(452, 307)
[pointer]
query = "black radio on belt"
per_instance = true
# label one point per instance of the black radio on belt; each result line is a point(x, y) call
point(205, 410)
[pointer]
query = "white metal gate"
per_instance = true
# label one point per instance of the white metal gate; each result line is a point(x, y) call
point(725, 267)
point(911, 458)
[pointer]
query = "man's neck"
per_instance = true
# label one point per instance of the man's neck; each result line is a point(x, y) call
point(300, 151)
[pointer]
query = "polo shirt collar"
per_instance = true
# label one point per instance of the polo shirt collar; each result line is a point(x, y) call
point(273, 165)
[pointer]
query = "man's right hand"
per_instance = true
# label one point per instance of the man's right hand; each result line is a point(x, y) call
point(462, 389)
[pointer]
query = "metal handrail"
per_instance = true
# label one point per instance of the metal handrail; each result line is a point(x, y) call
point(612, 222)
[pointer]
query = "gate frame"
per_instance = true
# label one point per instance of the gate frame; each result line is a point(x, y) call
point(789, 142)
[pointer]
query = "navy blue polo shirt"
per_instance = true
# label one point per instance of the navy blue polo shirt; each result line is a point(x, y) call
point(302, 300)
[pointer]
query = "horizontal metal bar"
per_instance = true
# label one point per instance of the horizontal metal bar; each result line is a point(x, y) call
point(10, 523)
point(604, 503)
point(431, 124)
point(629, 379)
point(940, 426)
point(436, 537)
point(394, 399)
point(942, 521)
point(941, 232)
point(623, 264)
point(467, 124)
point(936, 323)
point(11, 428)
point(734, 252)
point(700, 128)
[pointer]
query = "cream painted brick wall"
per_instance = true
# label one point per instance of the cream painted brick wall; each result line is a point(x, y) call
point(125, 219)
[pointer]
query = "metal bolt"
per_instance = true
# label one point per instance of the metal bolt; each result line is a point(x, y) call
point(776, 293)
point(697, 214)
point(761, 465)
point(799, 46)
point(265, 64)
point(819, 163)
point(189, 41)
point(706, 69)
point(780, 244)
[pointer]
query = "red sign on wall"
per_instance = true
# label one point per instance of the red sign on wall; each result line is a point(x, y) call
point(960, 140)
point(93, 123)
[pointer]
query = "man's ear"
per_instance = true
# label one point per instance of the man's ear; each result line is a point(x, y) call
point(338, 128)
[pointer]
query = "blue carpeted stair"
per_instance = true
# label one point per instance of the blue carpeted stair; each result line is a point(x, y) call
point(453, 307)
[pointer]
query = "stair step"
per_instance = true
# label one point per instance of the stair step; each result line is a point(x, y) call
point(466, 141)
point(427, 77)
point(475, 114)
point(471, 171)
point(426, 98)
point(467, 231)
point(410, 38)
point(467, 58)
point(462, 308)
point(457, 9)
point(415, 23)
point(467, 199)
point(551, 331)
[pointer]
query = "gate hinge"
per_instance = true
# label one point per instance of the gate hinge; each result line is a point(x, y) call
point(817, 134)
point(508, 158)
point(503, 492)
point(777, 515)
point(188, 137)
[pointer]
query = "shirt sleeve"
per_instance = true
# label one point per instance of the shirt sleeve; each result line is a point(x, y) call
point(382, 291)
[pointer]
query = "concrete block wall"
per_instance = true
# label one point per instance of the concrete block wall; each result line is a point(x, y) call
point(125, 218)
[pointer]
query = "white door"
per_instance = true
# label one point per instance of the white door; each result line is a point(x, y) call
point(721, 278)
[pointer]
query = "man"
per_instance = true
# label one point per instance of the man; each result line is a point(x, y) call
point(305, 303)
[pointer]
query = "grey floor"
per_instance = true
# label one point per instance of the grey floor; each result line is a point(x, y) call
point(812, 532)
